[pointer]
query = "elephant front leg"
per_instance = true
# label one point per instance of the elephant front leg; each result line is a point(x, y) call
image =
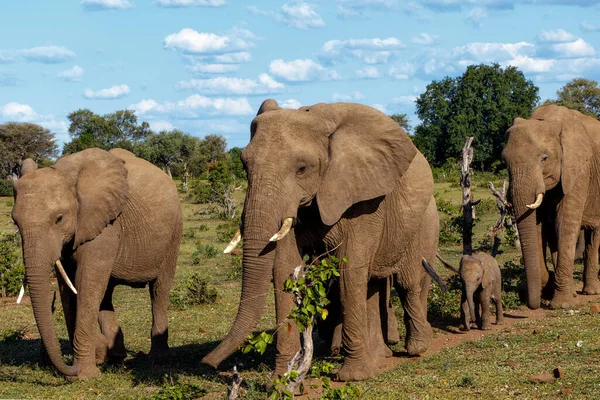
point(358, 364)
point(564, 292)
point(591, 284)
point(418, 330)
point(110, 328)
point(486, 315)
point(465, 314)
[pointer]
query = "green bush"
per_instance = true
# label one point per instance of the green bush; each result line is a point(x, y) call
point(193, 291)
point(445, 206)
point(171, 390)
point(225, 232)
point(203, 251)
point(486, 206)
point(12, 271)
point(189, 233)
point(203, 228)
point(513, 276)
point(451, 229)
point(200, 192)
point(442, 304)
point(6, 187)
point(236, 268)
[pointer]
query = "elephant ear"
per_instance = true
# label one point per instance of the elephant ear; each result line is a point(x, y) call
point(100, 180)
point(576, 148)
point(368, 154)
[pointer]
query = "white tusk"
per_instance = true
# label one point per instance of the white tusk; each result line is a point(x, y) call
point(234, 242)
point(21, 293)
point(537, 203)
point(285, 229)
point(65, 277)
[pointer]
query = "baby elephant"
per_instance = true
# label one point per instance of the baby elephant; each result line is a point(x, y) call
point(480, 276)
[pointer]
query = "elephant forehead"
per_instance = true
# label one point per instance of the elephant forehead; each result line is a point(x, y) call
point(43, 189)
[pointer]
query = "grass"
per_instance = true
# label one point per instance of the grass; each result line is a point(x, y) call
point(475, 369)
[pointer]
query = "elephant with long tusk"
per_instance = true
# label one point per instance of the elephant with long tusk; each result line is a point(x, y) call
point(103, 218)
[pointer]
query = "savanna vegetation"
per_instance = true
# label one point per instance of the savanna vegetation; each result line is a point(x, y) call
point(207, 286)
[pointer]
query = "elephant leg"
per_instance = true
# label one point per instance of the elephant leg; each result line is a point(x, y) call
point(375, 318)
point(336, 338)
point(486, 315)
point(288, 337)
point(392, 336)
point(159, 297)
point(465, 315)
point(358, 364)
point(110, 327)
point(591, 284)
point(94, 263)
point(498, 303)
point(418, 330)
point(564, 289)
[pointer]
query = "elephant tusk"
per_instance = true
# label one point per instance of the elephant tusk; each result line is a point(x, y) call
point(65, 277)
point(537, 203)
point(285, 229)
point(21, 293)
point(234, 242)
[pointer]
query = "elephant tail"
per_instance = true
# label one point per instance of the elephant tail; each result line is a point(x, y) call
point(446, 263)
point(434, 275)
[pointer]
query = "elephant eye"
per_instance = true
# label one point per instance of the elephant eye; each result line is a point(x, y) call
point(544, 158)
point(301, 170)
point(59, 219)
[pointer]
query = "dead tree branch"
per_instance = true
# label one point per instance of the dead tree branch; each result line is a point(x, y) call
point(467, 198)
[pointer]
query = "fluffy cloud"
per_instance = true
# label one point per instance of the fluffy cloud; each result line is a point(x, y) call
point(193, 106)
point(290, 103)
point(490, 52)
point(43, 54)
point(558, 35)
point(114, 92)
point(161, 125)
point(233, 86)
point(353, 97)
point(25, 113)
point(425, 39)
point(402, 71)
point(233, 58)
point(190, 41)
point(200, 68)
point(71, 75)
point(371, 51)
point(367, 73)
point(301, 70)
point(190, 3)
point(405, 100)
point(476, 16)
point(380, 107)
point(295, 14)
point(577, 48)
point(100, 5)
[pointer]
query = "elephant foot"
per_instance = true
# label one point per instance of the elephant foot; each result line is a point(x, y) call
point(464, 328)
point(592, 287)
point(356, 370)
point(87, 372)
point(564, 299)
point(416, 347)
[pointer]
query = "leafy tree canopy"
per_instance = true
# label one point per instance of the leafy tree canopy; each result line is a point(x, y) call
point(118, 129)
point(482, 103)
point(580, 94)
point(402, 120)
point(169, 150)
point(24, 140)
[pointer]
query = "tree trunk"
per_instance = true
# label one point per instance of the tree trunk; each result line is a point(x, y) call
point(467, 203)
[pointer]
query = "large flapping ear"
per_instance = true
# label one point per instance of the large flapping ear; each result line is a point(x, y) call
point(28, 166)
point(576, 147)
point(100, 180)
point(369, 153)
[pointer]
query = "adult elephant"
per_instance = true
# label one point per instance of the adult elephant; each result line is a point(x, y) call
point(553, 161)
point(109, 218)
point(335, 176)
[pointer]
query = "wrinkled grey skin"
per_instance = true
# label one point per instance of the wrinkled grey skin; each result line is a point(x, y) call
point(353, 181)
point(111, 218)
point(482, 284)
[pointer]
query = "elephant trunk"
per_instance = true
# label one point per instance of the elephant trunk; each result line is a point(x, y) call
point(524, 191)
point(38, 278)
point(259, 224)
point(470, 291)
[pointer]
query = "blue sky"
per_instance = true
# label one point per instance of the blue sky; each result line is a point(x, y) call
point(204, 66)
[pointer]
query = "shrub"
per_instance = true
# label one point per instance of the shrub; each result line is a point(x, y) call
point(207, 251)
point(236, 268)
point(6, 187)
point(442, 304)
point(171, 390)
point(445, 206)
point(451, 229)
point(12, 271)
point(203, 228)
point(513, 276)
point(486, 206)
point(225, 232)
point(194, 290)
point(189, 233)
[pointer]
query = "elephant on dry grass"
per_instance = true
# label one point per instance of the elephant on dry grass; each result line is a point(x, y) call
point(335, 176)
point(553, 161)
point(109, 218)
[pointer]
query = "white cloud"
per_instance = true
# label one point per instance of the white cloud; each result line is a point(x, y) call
point(367, 73)
point(490, 52)
point(290, 103)
point(380, 107)
point(359, 8)
point(99, 5)
point(425, 39)
point(352, 97)
point(590, 27)
point(476, 16)
point(233, 58)
point(161, 125)
point(530, 64)
point(25, 113)
point(558, 35)
point(405, 100)
point(190, 3)
point(213, 68)
point(114, 92)
point(301, 70)
point(193, 106)
point(233, 86)
point(43, 54)
point(190, 41)
point(296, 14)
point(402, 71)
point(371, 51)
point(578, 48)
point(71, 75)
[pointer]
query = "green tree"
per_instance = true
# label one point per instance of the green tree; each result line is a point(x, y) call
point(171, 150)
point(482, 103)
point(118, 129)
point(235, 163)
point(402, 120)
point(24, 140)
point(580, 94)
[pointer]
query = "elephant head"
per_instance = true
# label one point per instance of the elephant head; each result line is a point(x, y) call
point(473, 275)
point(57, 209)
point(541, 153)
point(333, 154)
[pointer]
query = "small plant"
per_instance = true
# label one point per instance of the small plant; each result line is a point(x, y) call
point(189, 233)
point(203, 251)
point(225, 232)
point(172, 390)
point(202, 228)
point(451, 229)
point(467, 381)
point(442, 304)
point(445, 206)
point(12, 271)
point(193, 291)
point(513, 277)
point(6, 188)
point(236, 268)
point(486, 206)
